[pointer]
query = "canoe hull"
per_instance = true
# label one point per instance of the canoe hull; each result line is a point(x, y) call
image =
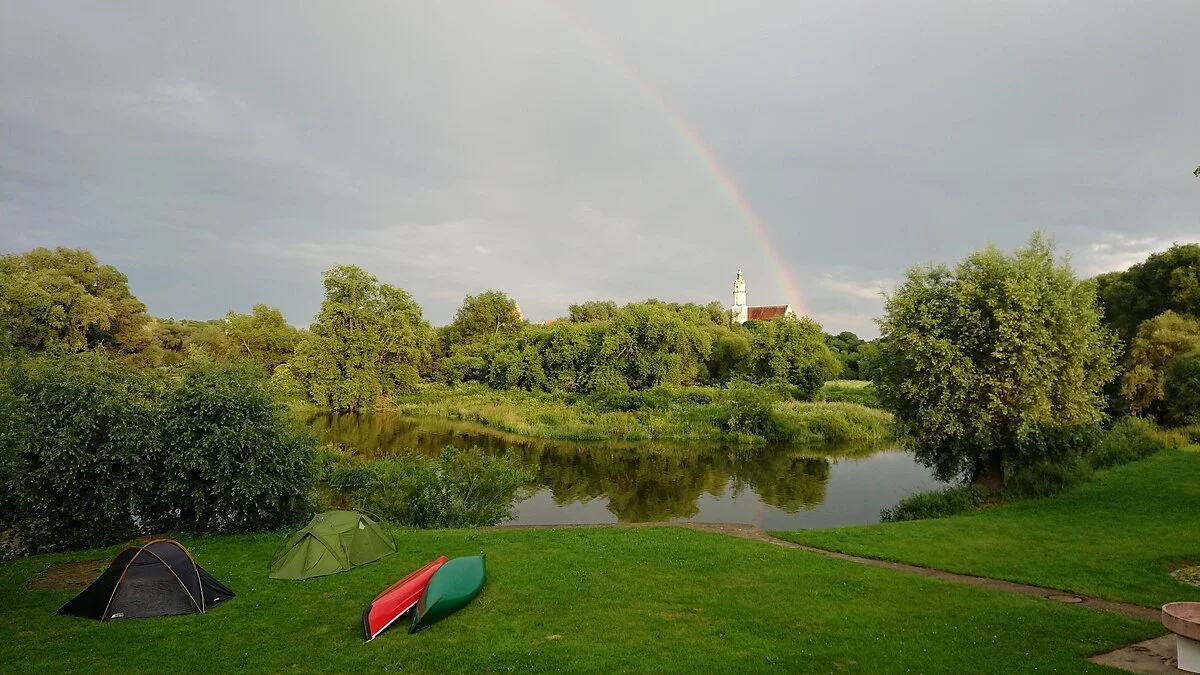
point(399, 598)
point(452, 587)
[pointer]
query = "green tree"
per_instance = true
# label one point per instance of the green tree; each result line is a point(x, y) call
point(65, 300)
point(208, 341)
point(730, 356)
point(82, 438)
point(596, 310)
point(975, 361)
point(1158, 342)
point(1169, 280)
point(717, 313)
point(94, 451)
point(568, 351)
point(648, 345)
point(369, 338)
point(845, 347)
point(868, 358)
point(263, 336)
point(159, 342)
point(234, 459)
point(486, 315)
point(1181, 391)
point(792, 352)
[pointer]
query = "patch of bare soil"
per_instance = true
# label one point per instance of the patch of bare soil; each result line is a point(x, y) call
point(1152, 657)
point(68, 575)
point(1188, 575)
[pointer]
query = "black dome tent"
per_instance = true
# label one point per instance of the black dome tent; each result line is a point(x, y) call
point(157, 579)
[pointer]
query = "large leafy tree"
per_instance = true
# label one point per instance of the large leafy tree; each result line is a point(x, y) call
point(649, 345)
point(233, 458)
point(567, 351)
point(729, 357)
point(94, 451)
point(793, 352)
point(846, 347)
point(1159, 342)
point(263, 335)
point(368, 338)
point(976, 360)
point(483, 316)
point(65, 300)
point(1169, 280)
point(1181, 391)
point(596, 310)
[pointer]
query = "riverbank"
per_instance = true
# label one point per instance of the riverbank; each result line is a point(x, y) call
point(740, 416)
point(1117, 537)
point(663, 598)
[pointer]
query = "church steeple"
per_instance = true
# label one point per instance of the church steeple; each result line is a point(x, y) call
point(739, 299)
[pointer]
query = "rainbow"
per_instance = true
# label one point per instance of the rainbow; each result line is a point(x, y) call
point(699, 146)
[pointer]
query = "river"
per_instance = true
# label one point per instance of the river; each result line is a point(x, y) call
point(773, 487)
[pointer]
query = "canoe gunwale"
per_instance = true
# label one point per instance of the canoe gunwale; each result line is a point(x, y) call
point(428, 570)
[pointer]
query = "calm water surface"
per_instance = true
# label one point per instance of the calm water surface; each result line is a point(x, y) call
point(776, 487)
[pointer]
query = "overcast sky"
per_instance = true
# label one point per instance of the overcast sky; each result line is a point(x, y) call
point(222, 154)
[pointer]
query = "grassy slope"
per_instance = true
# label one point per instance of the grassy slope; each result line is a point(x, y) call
point(593, 600)
point(1115, 537)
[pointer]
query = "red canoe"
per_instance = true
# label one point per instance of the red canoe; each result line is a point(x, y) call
point(397, 599)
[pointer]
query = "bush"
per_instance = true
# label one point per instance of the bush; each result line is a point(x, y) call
point(834, 422)
point(234, 459)
point(1053, 446)
point(850, 392)
point(1130, 439)
point(461, 488)
point(1191, 433)
point(98, 452)
point(1181, 391)
point(974, 360)
point(630, 401)
point(752, 412)
point(934, 504)
point(1044, 478)
point(84, 452)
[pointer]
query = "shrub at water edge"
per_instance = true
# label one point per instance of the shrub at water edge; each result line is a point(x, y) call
point(1129, 440)
point(97, 452)
point(850, 391)
point(976, 359)
point(934, 504)
point(234, 459)
point(83, 450)
point(1069, 458)
point(460, 488)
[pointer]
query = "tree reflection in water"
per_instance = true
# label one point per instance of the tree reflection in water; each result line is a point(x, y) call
point(643, 481)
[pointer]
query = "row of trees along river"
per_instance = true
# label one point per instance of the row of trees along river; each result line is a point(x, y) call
point(1005, 369)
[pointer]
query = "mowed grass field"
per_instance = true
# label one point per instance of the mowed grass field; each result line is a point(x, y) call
point(1116, 537)
point(646, 599)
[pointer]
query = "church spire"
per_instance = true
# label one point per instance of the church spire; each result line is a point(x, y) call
point(739, 298)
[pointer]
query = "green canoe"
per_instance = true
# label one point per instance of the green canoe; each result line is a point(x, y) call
point(454, 585)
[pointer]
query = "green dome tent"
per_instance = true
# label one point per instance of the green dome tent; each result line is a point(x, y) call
point(334, 541)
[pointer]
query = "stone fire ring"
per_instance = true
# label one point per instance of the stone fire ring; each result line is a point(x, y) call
point(1183, 619)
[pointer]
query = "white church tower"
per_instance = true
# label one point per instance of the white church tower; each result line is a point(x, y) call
point(739, 309)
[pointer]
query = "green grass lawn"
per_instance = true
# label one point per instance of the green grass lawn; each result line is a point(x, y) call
point(1116, 537)
point(582, 600)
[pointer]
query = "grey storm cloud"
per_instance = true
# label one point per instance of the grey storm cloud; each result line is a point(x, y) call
point(225, 153)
